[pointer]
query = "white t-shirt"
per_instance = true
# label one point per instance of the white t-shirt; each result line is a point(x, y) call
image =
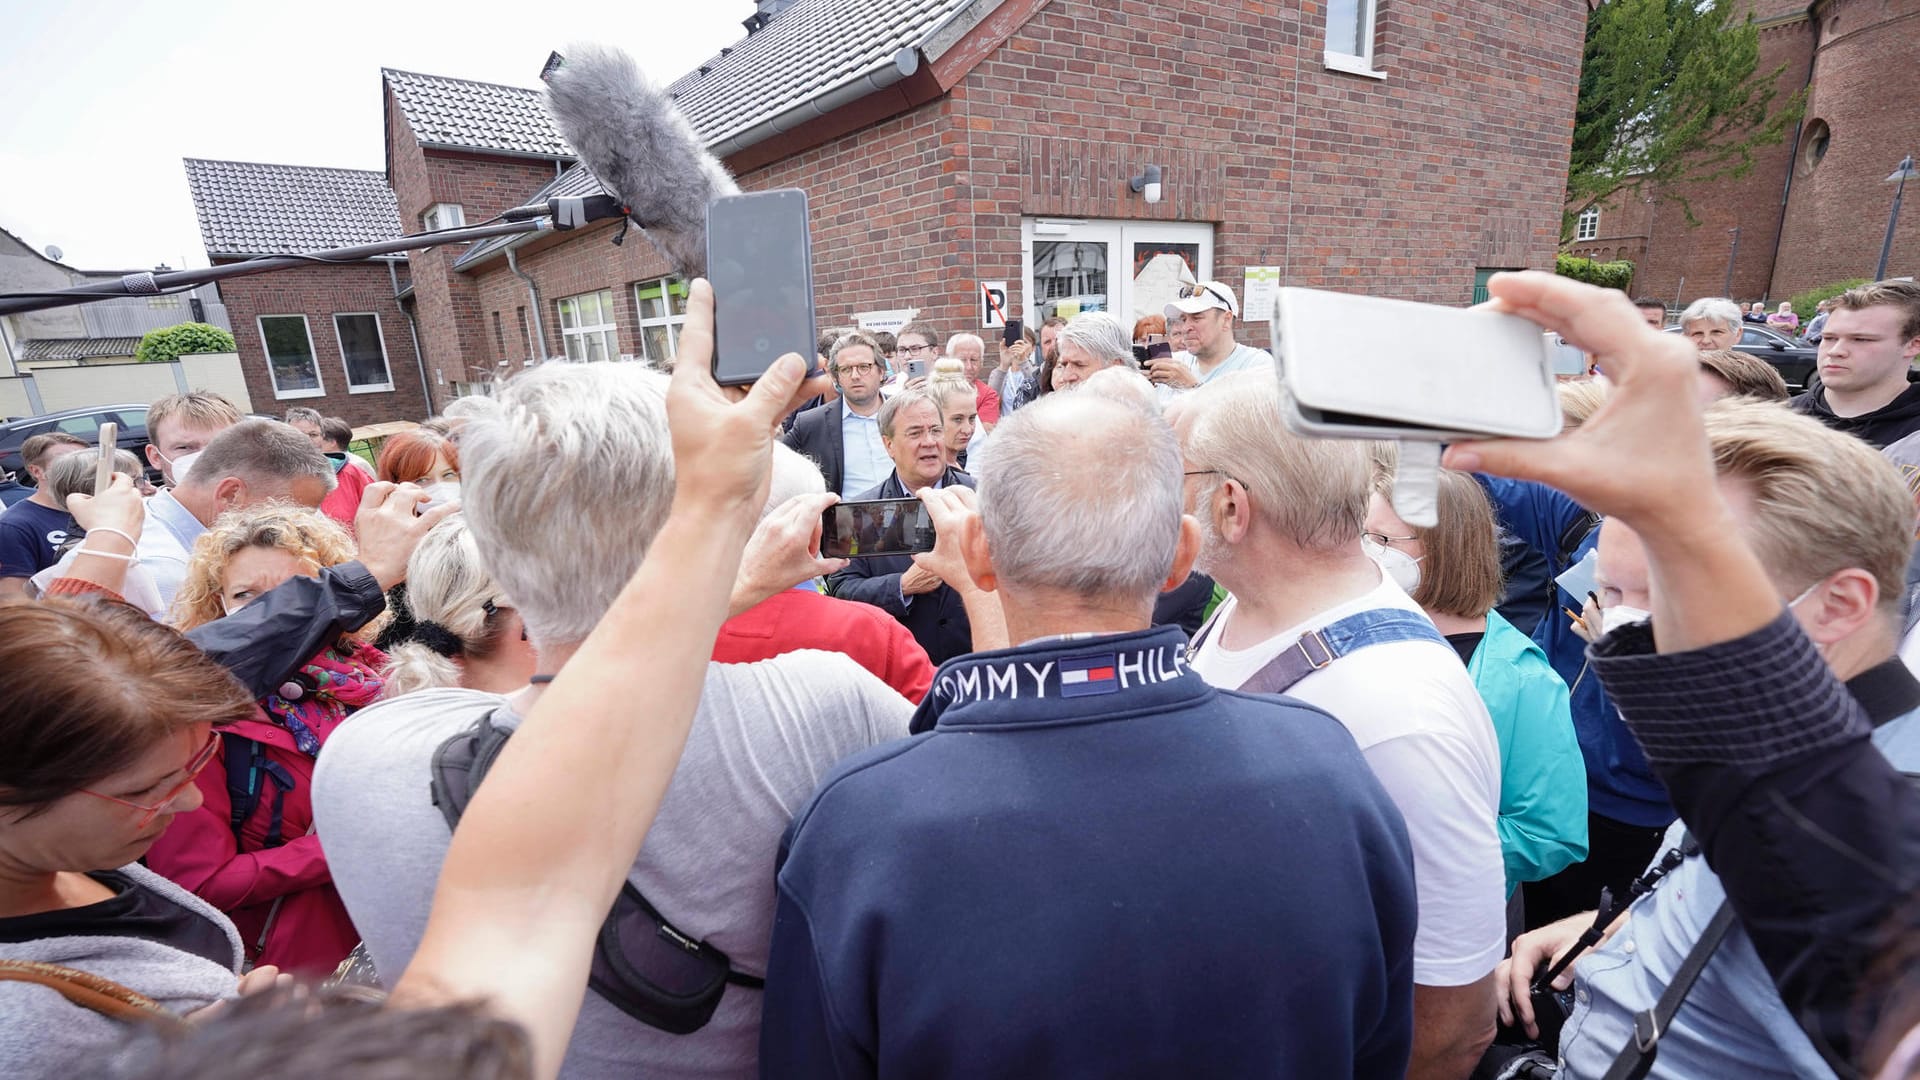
point(1413, 709)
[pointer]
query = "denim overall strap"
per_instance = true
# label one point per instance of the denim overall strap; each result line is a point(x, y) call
point(1318, 648)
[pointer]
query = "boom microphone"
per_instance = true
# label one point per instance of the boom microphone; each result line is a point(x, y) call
point(639, 146)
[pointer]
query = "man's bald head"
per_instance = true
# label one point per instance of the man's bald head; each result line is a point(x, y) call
point(1082, 495)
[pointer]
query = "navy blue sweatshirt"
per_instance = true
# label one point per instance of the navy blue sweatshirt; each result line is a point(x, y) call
point(1094, 864)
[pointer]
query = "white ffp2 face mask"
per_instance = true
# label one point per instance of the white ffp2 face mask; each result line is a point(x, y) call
point(1403, 568)
point(443, 491)
point(1620, 615)
point(181, 465)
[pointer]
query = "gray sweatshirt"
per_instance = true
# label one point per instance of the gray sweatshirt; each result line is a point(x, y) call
point(763, 738)
point(44, 1035)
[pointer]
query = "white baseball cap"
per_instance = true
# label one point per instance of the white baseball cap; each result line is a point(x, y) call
point(1195, 299)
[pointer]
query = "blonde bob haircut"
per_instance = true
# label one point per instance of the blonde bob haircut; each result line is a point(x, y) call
point(315, 539)
point(1460, 575)
point(1823, 501)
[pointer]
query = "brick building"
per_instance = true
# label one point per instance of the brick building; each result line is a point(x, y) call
point(1813, 210)
point(1389, 148)
point(332, 336)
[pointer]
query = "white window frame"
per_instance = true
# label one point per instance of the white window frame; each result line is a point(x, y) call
point(444, 215)
point(313, 355)
point(1368, 15)
point(671, 321)
point(1587, 225)
point(380, 334)
point(610, 330)
point(1118, 236)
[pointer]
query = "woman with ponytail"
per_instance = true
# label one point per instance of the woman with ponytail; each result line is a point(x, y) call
point(465, 634)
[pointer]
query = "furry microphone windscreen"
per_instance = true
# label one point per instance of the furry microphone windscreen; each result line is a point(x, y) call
point(639, 146)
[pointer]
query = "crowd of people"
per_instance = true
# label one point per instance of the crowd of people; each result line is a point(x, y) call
point(550, 743)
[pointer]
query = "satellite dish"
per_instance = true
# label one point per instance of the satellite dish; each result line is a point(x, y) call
point(54, 252)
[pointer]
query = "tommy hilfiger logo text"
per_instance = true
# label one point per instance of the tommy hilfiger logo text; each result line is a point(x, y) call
point(1072, 676)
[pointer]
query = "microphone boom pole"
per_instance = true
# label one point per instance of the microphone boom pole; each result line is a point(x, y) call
point(150, 284)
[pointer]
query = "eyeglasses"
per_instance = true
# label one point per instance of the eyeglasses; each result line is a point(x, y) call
point(915, 350)
point(195, 766)
point(1387, 541)
point(857, 369)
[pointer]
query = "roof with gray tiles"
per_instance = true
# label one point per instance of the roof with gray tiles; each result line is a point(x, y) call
point(467, 115)
point(42, 349)
point(246, 208)
point(808, 49)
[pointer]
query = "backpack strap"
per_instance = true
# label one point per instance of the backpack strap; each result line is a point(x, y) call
point(1318, 648)
point(246, 762)
point(89, 991)
point(243, 779)
point(1636, 1059)
point(1573, 536)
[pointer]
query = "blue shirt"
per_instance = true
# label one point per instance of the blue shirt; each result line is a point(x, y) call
point(1095, 864)
point(1733, 1022)
point(864, 461)
point(30, 538)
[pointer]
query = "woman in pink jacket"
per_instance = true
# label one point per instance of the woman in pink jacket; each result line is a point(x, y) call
point(263, 865)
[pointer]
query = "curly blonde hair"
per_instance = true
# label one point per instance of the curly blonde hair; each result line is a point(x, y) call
point(314, 539)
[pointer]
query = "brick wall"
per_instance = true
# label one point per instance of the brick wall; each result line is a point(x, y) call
point(1866, 84)
point(1865, 57)
point(1403, 185)
point(318, 293)
point(454, 330)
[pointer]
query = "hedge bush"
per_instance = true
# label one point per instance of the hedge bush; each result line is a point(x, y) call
point(170, 343)
point(1607, 275)
point(1806, 304)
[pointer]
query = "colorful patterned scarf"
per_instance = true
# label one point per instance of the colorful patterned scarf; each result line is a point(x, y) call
point(344, 677)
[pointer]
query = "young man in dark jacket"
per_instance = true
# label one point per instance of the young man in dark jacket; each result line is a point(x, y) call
point(1867, 348)
point(1089, 861)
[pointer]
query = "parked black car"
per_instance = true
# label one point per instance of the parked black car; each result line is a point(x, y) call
point(83, 423)
point(1796, 360)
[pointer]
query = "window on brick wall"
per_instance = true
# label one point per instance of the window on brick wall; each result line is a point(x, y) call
point(1350, 32)
point(526, 335)
point(663, 307)
point(444, 215)
point(1587, 225)
point(499, 339)
point(290, 360)
point(587, 327)
point(363, 351)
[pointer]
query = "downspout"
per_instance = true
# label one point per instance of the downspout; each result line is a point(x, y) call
point(1793, 154)
point(533, 304)
point(413, 330)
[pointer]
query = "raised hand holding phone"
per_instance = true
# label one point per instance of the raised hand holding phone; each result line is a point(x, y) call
point(109, 442)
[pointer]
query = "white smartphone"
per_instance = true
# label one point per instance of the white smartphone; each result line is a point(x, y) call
point(1365, 367)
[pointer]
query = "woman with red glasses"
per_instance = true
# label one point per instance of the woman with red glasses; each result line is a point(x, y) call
point(108, 718)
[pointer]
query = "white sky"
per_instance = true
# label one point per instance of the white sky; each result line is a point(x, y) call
point(99, 100)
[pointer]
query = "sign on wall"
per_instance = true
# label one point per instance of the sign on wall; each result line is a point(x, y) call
point(993, 304)
point(1256, 299)
point(884, 322)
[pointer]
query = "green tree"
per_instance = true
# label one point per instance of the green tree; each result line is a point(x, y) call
point(1670, 94)
point(1607, 275)
point(169, 343)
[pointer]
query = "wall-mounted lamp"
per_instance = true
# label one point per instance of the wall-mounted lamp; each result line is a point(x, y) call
point(1147, 184)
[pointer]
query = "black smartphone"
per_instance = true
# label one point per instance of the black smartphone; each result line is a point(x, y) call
point(851, 530)
point(760, 261)
point(1011, 336)
point(1159, 350)
point(1140, 355)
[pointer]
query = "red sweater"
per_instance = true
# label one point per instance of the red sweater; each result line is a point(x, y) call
point(803, 619)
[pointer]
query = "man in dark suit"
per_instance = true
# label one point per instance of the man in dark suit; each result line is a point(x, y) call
point(843, 435)
point(910, 428)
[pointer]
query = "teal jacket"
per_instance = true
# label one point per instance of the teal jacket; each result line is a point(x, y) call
point(1543, 778)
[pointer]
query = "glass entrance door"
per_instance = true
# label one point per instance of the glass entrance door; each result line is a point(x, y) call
point(1131, 269)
